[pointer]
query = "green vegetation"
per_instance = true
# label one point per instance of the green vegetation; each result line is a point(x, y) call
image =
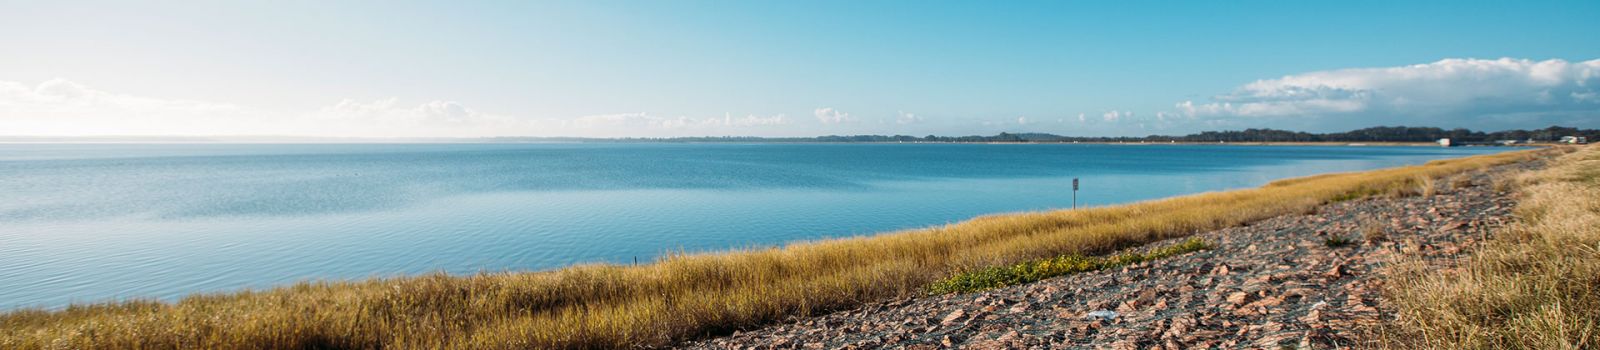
point(1036, 270)
point(678, 297)
point(1534, 285)
point(1337, 241)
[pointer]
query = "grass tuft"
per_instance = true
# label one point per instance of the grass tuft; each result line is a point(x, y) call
point(1425, 186)
point(1460, 182)
point(1373, 231)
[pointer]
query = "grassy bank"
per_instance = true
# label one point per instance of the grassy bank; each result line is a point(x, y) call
point(679, 297)
point(1534, 285)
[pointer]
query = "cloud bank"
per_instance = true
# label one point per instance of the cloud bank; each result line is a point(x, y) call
point(1478, 93)
point(1472, 93)
point(828, 115)
point(60, 107)
point(633, 120)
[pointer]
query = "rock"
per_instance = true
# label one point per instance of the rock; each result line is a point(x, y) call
point(1336, 271)
point(1274, 341)
point(1101, 315)
point(1261, 279)
point(1009, 336)
point(1127, 307)
point(1240, 298)
point(1452, 226)
point(1064, 313)
point(1220, 270)
point(1126, 344)
point(1179, 327)
point(1265, 305)
point(953, 317)
point(1313, 317)
point(1020, 307)
point(1099, 304)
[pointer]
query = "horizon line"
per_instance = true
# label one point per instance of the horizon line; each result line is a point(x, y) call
point(447, 139)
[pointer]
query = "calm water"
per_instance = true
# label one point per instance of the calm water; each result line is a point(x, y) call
point(94, 222)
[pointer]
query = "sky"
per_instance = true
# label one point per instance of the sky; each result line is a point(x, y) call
point(600, 68)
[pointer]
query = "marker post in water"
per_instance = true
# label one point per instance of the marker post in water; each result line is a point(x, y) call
point(1074, 193)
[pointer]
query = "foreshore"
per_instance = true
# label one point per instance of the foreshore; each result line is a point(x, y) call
point(1308, 280)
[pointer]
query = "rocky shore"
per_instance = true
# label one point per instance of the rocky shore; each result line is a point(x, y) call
point(1295, 281)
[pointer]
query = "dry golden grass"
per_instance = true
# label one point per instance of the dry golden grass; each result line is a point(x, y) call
point(1374, 231)
point(1460, 182)
point(1535, 285)
point(680, 297)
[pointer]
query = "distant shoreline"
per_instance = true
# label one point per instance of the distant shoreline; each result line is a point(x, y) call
point(463, 142)
point(1373, 136)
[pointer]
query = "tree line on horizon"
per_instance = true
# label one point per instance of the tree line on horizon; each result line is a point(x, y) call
point(1373, 134)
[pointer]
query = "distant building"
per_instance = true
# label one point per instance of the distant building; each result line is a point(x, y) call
point(1576, 140)
point(1444, 142)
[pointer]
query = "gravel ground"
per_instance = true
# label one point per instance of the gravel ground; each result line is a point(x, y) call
point(1273, 284)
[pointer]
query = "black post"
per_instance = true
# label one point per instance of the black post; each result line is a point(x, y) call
point(1074, 193)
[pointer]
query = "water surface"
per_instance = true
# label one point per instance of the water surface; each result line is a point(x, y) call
point(91, 222)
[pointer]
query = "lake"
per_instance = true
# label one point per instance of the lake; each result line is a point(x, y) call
point(93, 222)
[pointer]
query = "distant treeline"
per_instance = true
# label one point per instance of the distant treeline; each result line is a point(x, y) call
point(1374, 134)
point(1383, 134)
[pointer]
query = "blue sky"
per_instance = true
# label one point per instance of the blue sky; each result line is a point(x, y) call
point(770, 68)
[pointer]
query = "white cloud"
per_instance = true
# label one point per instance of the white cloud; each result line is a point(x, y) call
point(907, 118)
point(63, 107)
point(637, 121)
point(1589, 97)
point(1450, 92)
point(753, 120)
point(390, 112)
point(64, 95)
point(1115, 115)
point(828, 115)
point(1022, 120)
